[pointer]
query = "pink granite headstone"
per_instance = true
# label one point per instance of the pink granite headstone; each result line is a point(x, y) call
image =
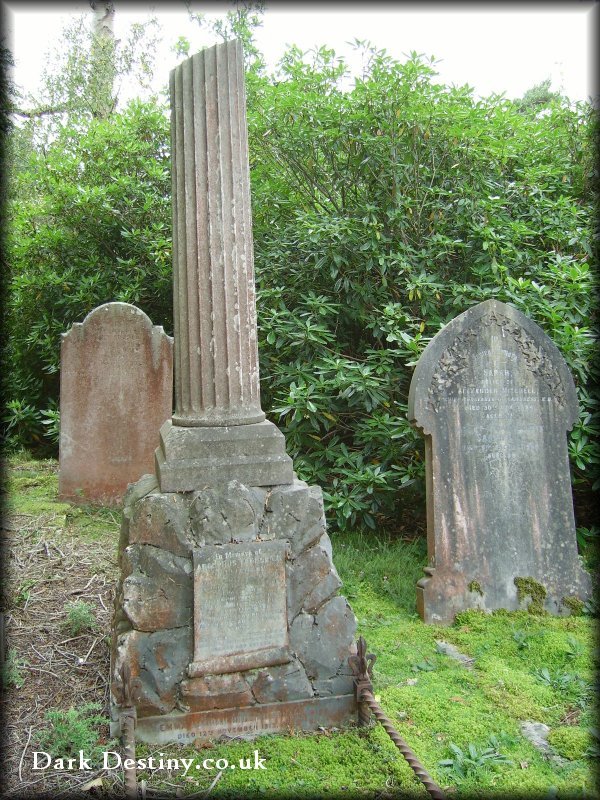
point(116, 390)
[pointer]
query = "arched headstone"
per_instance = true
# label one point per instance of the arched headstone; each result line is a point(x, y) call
point(116, 390)
point(495, 400)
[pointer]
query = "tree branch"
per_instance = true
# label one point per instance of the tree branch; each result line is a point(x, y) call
point(44, 111)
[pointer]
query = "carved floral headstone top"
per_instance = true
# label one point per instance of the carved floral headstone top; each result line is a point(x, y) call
point(495, 400)
point(116, 390)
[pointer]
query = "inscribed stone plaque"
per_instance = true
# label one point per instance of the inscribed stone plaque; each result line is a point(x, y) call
point(240, 613)
point(495, 399)
point(116, 390)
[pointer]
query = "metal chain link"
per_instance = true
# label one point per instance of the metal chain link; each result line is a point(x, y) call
point(361, 665)
point(434, 790)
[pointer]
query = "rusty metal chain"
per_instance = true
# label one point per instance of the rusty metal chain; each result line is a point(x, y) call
point(362, 667)
point(414, 763)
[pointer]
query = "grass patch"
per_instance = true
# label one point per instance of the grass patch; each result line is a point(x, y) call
point(570, 742)
point(32, 498)
point(461, 719)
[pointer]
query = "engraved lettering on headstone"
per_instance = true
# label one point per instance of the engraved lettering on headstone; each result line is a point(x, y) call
point(240, 612)
point(116, 390)
point(495, 399)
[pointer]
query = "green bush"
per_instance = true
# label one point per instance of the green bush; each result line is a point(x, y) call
point(90, 223)
point(399, 204)
point(380, 212)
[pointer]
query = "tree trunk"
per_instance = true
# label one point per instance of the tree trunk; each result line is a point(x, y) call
point(102, 58)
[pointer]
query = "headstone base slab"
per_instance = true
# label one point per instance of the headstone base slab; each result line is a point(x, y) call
point(443, 593)
point(245, 723)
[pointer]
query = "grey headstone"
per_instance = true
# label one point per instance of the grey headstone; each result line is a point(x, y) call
point(495, 399)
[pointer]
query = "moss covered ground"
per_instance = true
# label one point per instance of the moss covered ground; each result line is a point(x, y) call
point(462, 719)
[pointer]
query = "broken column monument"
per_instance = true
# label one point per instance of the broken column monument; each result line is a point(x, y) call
point(227, 613)
point(107, 436)
point(495, 400)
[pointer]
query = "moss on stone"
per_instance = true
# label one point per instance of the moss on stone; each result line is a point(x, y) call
point(574, 604)
point(529, 587)
point(569, 742)
point(475, 586)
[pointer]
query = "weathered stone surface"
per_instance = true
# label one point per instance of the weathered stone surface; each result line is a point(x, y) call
point(107, 436)
point(230, 513)
point(312, 579)
point(495, 399)
point(216, 374)
point(296, 513)
point(453, 652)
point(157, 662)
point(323, 642)
point(195, 457)
point(215, 691)
point(246, 722)
point(157, 588)
point(340, 684)
point(240, 617)
point(161, 520)
point(135, 491)
point(537, 733)
point(216, 378)
point(283, 683)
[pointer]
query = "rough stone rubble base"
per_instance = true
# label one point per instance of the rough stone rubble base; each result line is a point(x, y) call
point(153, 630)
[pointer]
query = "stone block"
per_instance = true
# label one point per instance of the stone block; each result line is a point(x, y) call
point(324, 641)
point(247, 722)
point(215, 691)
point(194, 457)
point(312, 579)
point(157, 662)
point(161, 520)
point(157, 588)
point(340, 684)
point(295, 513)
point(107, 436)
point(135, 491)
point(282, 683)
point(229, 513)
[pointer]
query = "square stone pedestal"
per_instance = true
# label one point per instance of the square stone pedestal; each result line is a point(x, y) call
point(189, 457)
point(227, 613)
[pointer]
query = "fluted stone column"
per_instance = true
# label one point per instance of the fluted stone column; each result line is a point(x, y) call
point(218, 430)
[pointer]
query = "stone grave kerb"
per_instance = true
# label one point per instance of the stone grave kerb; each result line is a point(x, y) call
point(495, 400)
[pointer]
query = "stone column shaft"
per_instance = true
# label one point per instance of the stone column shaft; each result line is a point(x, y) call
point(216, 357)
point(218, 432)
